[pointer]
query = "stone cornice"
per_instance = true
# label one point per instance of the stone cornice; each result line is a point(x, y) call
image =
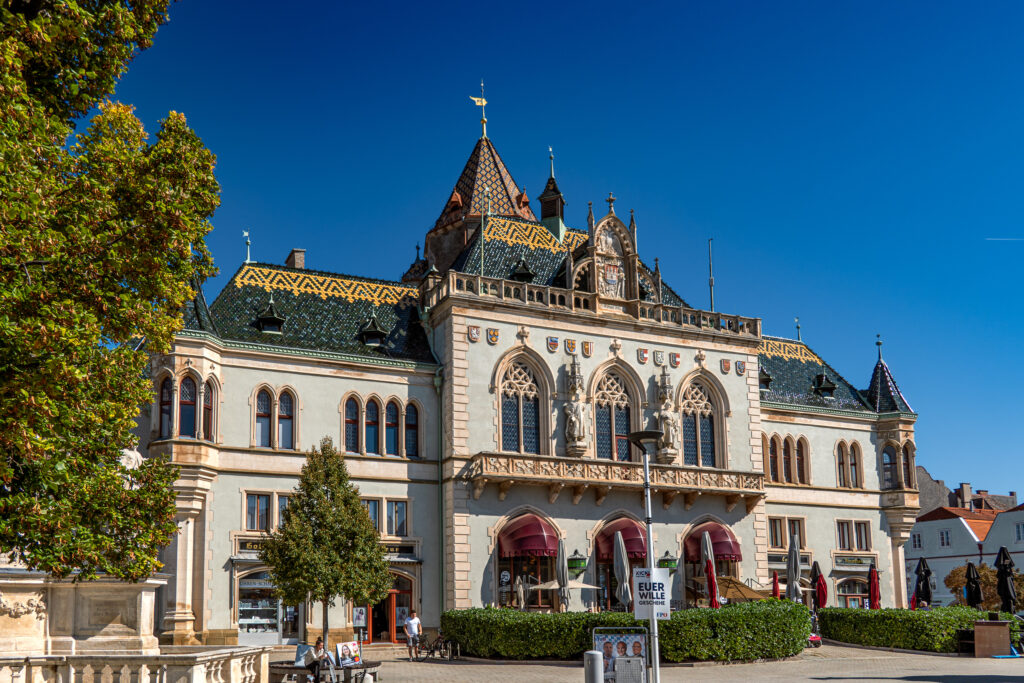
point(819, 410)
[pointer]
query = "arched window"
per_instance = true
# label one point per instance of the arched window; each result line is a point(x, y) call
point(908, 467)
point(612, 417)
point(852, 593)
point(391, 429)
point(187, 408)
point(855, 477)
point(166, 408)
point(286, 421)
point(698, 427)
point(351, 426)
point(263, 419)
point(773, 457)
point(801, 461)
point(372, 427)
point(787, 460)
point(890, 471)
point(412, 432)
point(208, 412)
point(520, 410)
point(841, 465)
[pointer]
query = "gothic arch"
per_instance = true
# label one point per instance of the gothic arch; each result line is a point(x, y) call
point(620, 231)
point(536, 362)
point(546, 392)
point(494, 532)
point(599, 526)
point(716, 396)
point(708, 380)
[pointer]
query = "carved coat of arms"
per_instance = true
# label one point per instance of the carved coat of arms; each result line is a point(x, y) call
point(473, 333)
point(726, 366)
point(570, 346)
point(673, 360)
point(741, 367)
point(588, 349)
point(493, 335)
point(659, 358)
point(552, 344)
point(642, 355)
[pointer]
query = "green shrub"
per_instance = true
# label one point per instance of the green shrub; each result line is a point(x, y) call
point(746, 631)
point(931, 630)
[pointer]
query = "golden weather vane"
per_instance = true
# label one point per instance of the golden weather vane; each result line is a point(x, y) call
point(482, 103)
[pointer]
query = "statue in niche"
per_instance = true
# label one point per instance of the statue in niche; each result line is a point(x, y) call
point(668, 423)
point(575, 412)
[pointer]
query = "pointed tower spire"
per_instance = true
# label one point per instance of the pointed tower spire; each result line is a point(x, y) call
point(657, 274)
point(632, 230)
point(552, 204)
point(590, 223)
point(884, 395)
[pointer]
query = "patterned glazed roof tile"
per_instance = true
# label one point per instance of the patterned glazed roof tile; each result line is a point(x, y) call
point(793, 367)
point(196, 314)
point(509, 241)
point(485, 169)
point(322, 311)
point(883, 394)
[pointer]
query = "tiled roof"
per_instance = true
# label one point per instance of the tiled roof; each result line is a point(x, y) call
point(979, 521)
point(321, 311)
point(196, 314)
point(485, 169)
point(883, 395)
point(793, 367)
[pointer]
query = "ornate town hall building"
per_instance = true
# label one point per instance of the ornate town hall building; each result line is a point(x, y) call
point(483, 401)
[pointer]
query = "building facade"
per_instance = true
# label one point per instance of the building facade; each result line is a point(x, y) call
point(483, 401)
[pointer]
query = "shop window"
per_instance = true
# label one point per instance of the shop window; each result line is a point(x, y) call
point(282, 505)
point(373, 427)
point(412, 433)
point(286, 421)
point(257, 512)
point(187, 408)
point(257, 606)
point(853, 593)
point(263, 419)
point(208, 412)
point(532, 570)
point(391, 429)
point(612, 418)
point(863, 535)
point(396, 518)
point(166, 407)
point(373, 510)
point(351, 426)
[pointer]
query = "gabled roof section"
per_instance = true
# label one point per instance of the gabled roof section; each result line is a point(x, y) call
point(794, 370)
point(979, 521)
point(324, 312)
point(883, 394)
point(196, 314)
point(507, 241)
point(485, 169)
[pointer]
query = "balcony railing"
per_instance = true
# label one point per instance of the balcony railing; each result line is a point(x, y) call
point(556, 298)
point(579, 474)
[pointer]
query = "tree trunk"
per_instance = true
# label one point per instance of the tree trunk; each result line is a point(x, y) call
point(326, 646)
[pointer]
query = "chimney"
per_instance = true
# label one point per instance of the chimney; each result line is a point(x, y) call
point(296, 259)
point(963, 494)
point(1013, 497)
point(982, 492)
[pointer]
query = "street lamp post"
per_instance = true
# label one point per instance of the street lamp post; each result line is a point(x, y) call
point(645, 440)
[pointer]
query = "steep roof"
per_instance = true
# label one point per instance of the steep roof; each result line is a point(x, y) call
point(979, 521)
point(485, 170)
point(196, 314)
point(883, 395)
point(321, 311)
point(794, 369)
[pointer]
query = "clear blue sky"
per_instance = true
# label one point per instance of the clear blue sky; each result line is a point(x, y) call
point(849, 159)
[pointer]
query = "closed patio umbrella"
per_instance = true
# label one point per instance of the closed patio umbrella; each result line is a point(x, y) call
point(793, 570)
point(622, 573)
point(679, 583)
point(819, 589)
point(521, 593)
point(707, 556)
point(1004, 581)
point(874, 591)
point(923, 586)
point(562, 575)
point(775, 585)
point(974, 595)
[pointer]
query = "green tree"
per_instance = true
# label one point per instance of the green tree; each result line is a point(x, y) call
point(990, 600)
point(101, 242)
point(327, 546)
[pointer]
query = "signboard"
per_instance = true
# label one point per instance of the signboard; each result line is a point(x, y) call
point(614, 645)
point(249, 545)
point(403, 549)
point(854, 561)
point(651, 592)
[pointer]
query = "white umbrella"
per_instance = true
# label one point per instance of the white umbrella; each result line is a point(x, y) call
point(554, 585)
point(521, 592)
point(707, 556)
point(622, 573)
point(793, 591)
point(562, 575)
point(679, 582)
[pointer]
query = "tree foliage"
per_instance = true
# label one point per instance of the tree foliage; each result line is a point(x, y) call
point(957, 579)
point(101, 242)
point(327, 545)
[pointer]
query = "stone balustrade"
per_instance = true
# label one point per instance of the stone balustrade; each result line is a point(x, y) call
point(579, 474)
point(455, 284)
point(175, 665)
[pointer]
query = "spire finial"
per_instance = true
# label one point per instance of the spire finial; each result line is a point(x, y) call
point(417, 251)
point(878, 343)
point(797, 321)
point(245, 234)
point(551, 156)
point(482, 103)
point(611, 203)
point(711, 275)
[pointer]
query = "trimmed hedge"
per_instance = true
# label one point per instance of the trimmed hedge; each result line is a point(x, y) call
point(931, 630)
point(766, 629)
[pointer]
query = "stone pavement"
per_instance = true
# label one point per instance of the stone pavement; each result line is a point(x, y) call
point(828, 663)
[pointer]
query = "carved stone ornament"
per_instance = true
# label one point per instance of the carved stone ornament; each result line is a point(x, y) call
point(20, 609)
point(575, 411)
point(669, 425)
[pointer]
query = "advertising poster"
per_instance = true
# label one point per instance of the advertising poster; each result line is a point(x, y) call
point(613, 645)
point(651, 592)
point(348, 653)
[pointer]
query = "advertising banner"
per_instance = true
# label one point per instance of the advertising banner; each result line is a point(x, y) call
point(651, 592)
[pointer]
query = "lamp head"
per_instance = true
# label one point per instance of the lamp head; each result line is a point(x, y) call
point(646, 439)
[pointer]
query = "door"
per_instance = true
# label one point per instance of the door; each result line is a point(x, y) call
point(385, 621)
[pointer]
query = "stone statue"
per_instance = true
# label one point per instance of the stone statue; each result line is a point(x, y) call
point(575, 422)
point(669, 425)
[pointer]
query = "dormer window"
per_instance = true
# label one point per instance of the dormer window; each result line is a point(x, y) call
point(764, 380)
point(522, 273)
point(270, 321)
point(823, 386)
point(371, 333)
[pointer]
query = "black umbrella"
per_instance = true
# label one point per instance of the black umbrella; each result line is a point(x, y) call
point(1004, 581)
point(974, 596)
point(923, 587)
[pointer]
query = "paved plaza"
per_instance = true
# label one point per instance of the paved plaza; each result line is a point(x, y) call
point(829, 663)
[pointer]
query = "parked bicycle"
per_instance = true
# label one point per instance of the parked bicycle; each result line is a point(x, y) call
point(440, 647)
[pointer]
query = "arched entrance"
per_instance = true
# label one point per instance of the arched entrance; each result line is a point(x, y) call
point(384, 621)
point(853, 593)
point(634, 537)
point(724, 545)
point(527, 547)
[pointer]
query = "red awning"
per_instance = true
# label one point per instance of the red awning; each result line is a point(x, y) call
point(632, 533)
point(724, 544)
point(528, 535)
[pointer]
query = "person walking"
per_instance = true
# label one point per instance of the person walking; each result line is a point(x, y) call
point(412, 635)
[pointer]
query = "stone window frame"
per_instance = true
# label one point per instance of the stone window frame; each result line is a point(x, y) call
point(275, 396)
point(853, 522)
point(721, 411)
point(201, 384)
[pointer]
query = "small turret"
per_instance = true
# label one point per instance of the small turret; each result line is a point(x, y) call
point(552, 204)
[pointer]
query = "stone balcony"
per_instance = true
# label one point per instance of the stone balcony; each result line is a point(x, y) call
point(579, 474)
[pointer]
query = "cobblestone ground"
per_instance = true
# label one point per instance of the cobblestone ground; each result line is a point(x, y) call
point(829, 663)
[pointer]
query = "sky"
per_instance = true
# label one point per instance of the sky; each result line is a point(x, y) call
point(858, 164)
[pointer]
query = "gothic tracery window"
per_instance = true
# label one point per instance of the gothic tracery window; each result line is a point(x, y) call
point(391, 429)
point(801, 461)
point(286, 421)
point(890, 468)
point(698, 427)
point(166, 406)
point(855, 477)
point(187, 408)
point(841, 466)
point(263, 419)
point(773, 459)
point(208, 411)
point(612, 416)
point(520, 410)
point(351, 426)
point(908, 467)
